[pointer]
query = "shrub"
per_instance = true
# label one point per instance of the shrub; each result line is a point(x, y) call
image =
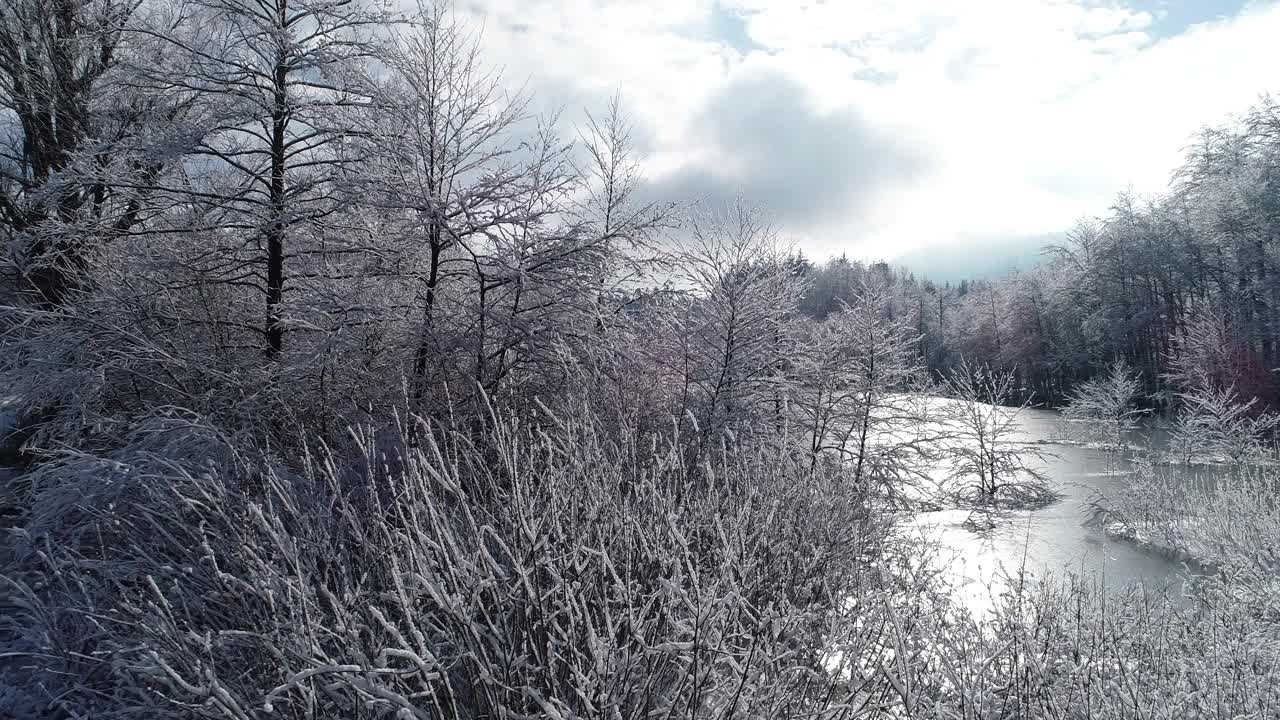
point(535, 571)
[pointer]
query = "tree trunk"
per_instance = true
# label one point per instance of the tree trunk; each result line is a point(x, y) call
point(276, 221)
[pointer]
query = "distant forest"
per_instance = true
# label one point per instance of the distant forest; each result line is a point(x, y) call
point(1124, 286)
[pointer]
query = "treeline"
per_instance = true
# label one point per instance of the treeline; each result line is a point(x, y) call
point(1124, 286)
point(1019, 325)
point(296, 216)
point(292, 219)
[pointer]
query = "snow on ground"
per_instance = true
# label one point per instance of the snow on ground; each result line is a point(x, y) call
point(1186, 548)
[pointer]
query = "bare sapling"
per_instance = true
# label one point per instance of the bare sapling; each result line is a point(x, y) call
point(990, 465)
point(1105, 409)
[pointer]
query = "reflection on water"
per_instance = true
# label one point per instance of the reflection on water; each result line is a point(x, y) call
point(1051, 540)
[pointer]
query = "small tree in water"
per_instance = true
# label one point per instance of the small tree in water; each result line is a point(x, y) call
point(1218, 424)
point(985, 456)
point(1107, 405)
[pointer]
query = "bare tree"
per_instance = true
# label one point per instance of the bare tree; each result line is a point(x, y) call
point(447, 160)
point(993, 467)
point(510, 248)
point(1214, 423)
point(610, 178)
point(1107, 404)
point(857, 390)
point(744, 295)
point(1220, 413)
point(1200, 356)
point(274, 88)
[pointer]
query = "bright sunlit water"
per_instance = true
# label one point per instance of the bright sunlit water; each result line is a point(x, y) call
point(1053, 540)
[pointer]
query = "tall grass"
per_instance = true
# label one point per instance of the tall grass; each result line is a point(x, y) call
point(1067, 648)
point(556, 570)
point(534, 571)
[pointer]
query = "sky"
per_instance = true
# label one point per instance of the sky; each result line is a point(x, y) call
point(878, 127)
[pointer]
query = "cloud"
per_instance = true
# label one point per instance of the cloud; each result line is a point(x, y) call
point(876, 126)
point(762, 135)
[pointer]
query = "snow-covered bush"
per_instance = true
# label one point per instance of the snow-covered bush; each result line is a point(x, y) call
point(1216, 424)
point(1226, 518)
point(535, 571)
point(1065, 649)
point(1105, 406)
point(1226, 399)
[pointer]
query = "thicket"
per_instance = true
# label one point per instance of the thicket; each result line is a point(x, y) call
point(345, 386)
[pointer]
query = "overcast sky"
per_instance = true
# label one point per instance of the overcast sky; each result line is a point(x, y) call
point(873, 127)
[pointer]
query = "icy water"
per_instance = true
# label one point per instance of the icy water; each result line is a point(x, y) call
point(1053, 540)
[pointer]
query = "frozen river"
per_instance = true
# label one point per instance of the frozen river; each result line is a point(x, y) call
point(1055, 539)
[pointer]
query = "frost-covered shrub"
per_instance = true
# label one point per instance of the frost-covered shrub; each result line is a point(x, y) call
point(543, 571)
point(1061, 649)
point(1104, 408)
point(534, 571)
point(1227, 518)
point(989, 465)
point(1216, 424)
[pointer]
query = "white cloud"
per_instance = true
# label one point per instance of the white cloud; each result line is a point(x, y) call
point(1030, 114)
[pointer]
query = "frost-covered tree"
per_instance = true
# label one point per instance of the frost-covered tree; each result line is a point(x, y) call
point(1106, 406)
point(1214, 423)
point(990, 464)
point(1220, 413)
point(274, 93)
point(1201, 353)
point(857, 383)
point(446, 164)
point(509, 241)
point(63, 120)
point(735, 332)
point(609, 178)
